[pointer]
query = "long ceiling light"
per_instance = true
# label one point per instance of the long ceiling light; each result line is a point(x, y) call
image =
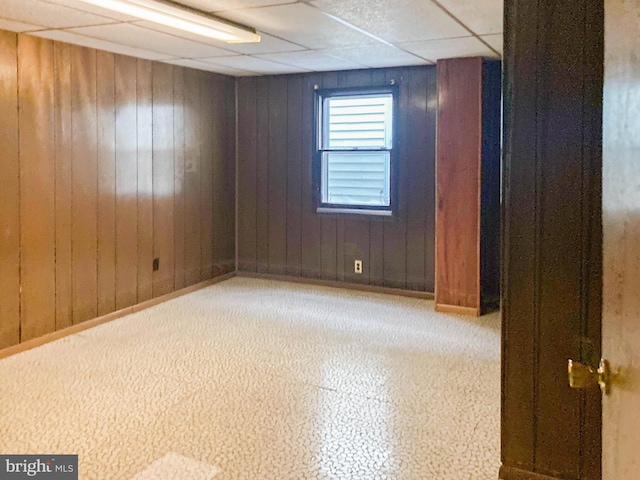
point(173, 15)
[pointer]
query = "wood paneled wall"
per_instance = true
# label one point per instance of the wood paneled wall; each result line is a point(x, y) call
point(107, 162)
point(458, 164)
point(552, 257)
point(468, 186)
point(279, 231)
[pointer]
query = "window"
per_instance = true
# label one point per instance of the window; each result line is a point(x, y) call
point(355, 139)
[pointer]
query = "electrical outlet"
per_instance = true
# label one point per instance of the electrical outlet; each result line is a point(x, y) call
point(357, 266)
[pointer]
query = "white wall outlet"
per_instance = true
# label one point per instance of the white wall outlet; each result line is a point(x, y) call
point(357, 266)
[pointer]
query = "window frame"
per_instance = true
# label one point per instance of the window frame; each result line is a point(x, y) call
point(319, 127)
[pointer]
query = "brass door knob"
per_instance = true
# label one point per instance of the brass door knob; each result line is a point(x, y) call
point(584, 376)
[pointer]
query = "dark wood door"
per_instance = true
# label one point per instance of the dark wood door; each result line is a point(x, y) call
point(552, 240)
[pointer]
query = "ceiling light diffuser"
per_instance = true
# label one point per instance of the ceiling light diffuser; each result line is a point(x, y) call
point(183, 18)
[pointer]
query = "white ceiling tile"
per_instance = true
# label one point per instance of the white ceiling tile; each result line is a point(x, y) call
point(86, 7)
point(12, 26)
point(395, 21)
point(217, 48)
point(377, 56)
point(313, 60)
point(37, 12)
point(450, 48)
point(220, 5)
point(481, 16)
point(495, 41)
point(151, 40)
point(253, 64)
point(302, 24)
point(198, 65)
point(267, 44)
point(68, 37)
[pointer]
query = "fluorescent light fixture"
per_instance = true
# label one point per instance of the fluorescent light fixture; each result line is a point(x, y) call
point(177, 16)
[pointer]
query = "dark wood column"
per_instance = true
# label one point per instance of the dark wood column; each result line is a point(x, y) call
point(552, 238)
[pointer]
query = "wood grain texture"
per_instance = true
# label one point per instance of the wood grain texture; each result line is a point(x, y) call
point(293, 224)
point(9, 193)
point(207, 131)
point(126, 183)
point(277, 172)
point(224, 178)
point(144, 162)
point(92, 161)
point(192, 174)
point(85, 184)
point(228, 176)
point(394, 256)
point(64, 183)
point(416, 214)
point(311, 223)
point(106, 98)
point(458, 163)
point(178, 177)
point(262, 168)
point(519, 218)
point(552, 238)
point(248, 173)
point(508, 473)
point(37, 187)
point(163, 178)
point(279, 230)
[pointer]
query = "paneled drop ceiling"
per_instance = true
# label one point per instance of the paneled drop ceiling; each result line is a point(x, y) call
point(297, 36)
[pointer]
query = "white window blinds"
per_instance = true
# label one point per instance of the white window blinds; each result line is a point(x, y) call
point(356, 142)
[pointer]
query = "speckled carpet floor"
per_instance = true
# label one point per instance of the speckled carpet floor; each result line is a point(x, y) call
point(253, 379)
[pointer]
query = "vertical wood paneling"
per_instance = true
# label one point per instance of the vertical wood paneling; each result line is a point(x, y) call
point(106, 94)
point(294, 176)
point(85, 187)
point(430, 173)
point(326, 245)
point(311, 235)
point(329, 221)
point(192, 174)
point(458, 183)
point(126, 182)
point(208, 131)
point(63, 200)
point(248, 175)
point(163, 178)
point(518, 421)
point(277, 171)
point(37, 187)
point(490, 185)
point(93, 160)
point(395, 235)
point(9, 193)
point(223, 176)
point(262, 165)
point(417, 144)
point(178, 180)
point(228, 175)
point(559, 124)
point(145, 179)
point(551, 237)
